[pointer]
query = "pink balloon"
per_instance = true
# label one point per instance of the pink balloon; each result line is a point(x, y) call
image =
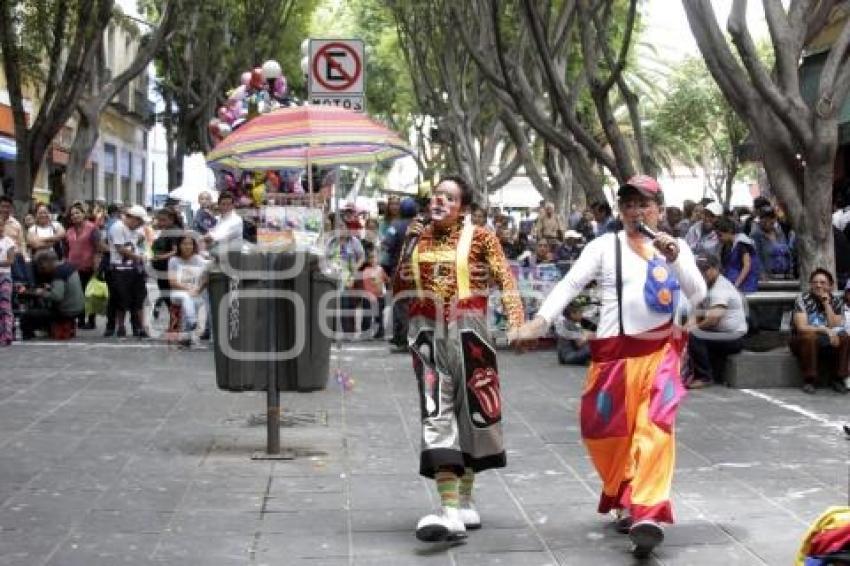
point(245, 79)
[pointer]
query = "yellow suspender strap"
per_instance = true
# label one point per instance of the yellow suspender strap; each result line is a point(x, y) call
point(464, 246)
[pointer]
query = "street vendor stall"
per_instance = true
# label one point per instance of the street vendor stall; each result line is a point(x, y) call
point(282, 286)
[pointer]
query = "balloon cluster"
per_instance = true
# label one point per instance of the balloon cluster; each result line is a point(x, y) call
point(255, 95)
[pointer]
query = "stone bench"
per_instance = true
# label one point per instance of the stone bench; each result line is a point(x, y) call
point(773, 368)
point(760, 370)
point(779, 285)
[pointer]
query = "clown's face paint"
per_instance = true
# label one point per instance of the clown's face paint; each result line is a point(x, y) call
point(445, 206)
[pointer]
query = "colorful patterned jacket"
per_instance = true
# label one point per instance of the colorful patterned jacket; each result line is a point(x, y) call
point(458, 268)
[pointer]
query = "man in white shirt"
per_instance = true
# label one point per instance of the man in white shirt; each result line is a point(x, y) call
point(720, 328)
point(127, 262)
point(229, 227)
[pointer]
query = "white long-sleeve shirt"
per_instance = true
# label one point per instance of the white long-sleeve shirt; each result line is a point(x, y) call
point(598, 262)
point(228, 228)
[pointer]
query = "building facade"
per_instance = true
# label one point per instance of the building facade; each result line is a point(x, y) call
point(116, 170)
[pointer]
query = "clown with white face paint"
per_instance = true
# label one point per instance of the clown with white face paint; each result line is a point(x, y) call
point(633, 386)
point(451, 270)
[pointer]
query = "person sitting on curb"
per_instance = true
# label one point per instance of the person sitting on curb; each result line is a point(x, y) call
point(57, 295)
point(573, 333)
point(721, 325)
point(818, 331)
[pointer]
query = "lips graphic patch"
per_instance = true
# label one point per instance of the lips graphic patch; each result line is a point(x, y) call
point(426, 374)
point(484, 401)
point(484, 384)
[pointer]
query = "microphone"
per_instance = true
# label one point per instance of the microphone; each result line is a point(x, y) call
point(649, 232)
point(410, 242)
point(646, 231)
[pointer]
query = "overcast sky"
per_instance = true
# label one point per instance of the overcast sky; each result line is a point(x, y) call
point(668, 30)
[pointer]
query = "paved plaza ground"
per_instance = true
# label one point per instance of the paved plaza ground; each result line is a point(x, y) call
point(117, 453)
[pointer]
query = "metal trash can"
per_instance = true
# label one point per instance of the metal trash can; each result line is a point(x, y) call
point(310, 369)
point(247, 327)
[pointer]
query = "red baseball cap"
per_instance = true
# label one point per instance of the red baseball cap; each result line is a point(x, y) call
point(645, 185)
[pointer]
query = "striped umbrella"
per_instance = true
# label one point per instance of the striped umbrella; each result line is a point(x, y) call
point(299, 136)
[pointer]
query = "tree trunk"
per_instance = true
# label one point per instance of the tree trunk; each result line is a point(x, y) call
point(729, 182)
point(84, 141)
point(562, 183)
point(23, 180)
point(817, 246)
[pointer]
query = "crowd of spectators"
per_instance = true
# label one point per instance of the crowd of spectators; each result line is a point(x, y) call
point(49, 258)
point(52, 260)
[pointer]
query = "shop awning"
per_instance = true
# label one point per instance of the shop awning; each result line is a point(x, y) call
point(8, 148)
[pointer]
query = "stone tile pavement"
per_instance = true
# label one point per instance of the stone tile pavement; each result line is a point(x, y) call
point(117, 453)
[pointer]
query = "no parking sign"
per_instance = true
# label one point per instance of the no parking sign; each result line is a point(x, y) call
point(336, 73)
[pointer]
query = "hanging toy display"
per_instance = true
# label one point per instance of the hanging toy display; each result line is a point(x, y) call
point(258, 188)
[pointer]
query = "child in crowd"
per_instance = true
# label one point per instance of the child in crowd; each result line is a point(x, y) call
point(573, 333)
point(375, 282)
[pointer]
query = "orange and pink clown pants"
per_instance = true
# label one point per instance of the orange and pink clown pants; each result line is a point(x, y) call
point(628, 408)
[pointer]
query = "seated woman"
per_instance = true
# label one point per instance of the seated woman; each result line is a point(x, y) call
point(818, 331)
point(187, 278)
point(56, 297)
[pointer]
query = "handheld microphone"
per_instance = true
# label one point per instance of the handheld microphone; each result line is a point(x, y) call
point(410, 243)
point(650, 233)
point(646, 231)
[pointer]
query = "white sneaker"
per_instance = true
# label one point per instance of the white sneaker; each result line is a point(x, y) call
point(645, 535)
point(469, 515)
point(447, 526)
point(622, 521)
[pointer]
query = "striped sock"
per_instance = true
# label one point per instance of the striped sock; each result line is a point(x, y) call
point(466, 484)
point(447, 487)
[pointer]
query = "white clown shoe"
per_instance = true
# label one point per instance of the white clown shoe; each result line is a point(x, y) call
point(469, 515)
point(447, 526)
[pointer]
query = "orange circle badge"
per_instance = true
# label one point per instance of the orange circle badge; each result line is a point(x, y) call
point(665, 297)
point(659, 273)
